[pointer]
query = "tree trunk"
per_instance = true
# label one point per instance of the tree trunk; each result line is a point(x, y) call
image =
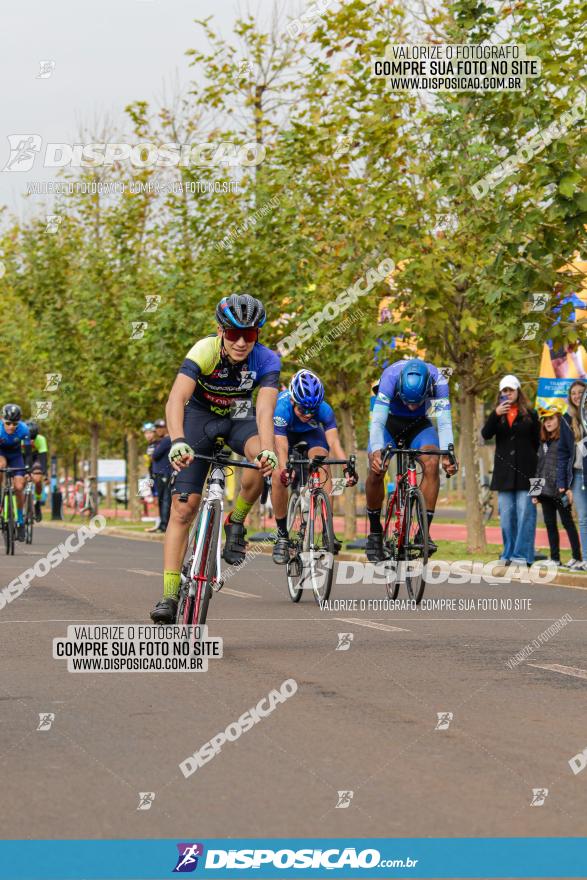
point(95, 441)
point(475, 529)
point(349, 442)
point(135, 504)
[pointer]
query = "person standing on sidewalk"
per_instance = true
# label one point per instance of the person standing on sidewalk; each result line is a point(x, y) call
point(572, 459)
point(162, 472)
point(550, 498)
point(516, 429)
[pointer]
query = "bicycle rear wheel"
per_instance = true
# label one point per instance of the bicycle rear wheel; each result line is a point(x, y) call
point(29, 518)
point(390, 545)
point(295, 529)
point(320, 546)
point(415, 544)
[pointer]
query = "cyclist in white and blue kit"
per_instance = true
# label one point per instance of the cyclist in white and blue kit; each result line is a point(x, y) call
point(405, 395)
point(301, 413)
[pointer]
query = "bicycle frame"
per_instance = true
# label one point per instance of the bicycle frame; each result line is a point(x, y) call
point(407, 478)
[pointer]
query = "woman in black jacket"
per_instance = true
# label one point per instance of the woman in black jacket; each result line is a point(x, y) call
point(516, 429)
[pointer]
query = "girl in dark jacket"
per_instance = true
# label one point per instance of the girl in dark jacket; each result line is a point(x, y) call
point(550, 498)
point(572, 458)
point(516, 429)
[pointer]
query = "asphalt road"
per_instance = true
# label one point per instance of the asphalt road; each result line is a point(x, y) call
point(363, 720)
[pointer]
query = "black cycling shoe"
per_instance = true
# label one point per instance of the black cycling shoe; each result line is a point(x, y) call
point(374, 548)
point(280, 552)
point(38, 512)
point(432, 547)
point(164, 611)
point(20, 532)
point(234, 547)
point(337, 546)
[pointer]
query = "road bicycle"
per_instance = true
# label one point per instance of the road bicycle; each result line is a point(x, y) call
point(309, 524)
point(8, 509)
point(486, 499)
point(29, 511)
point(405, 533)
point(201, 574)
point(83, 501)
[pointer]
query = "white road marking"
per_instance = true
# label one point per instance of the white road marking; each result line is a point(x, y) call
point(239, 593)
point(372, 624)
point(144, 571)
point(564, 670)
point(83, 561)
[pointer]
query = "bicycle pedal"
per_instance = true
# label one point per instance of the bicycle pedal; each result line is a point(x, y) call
point(217, 585)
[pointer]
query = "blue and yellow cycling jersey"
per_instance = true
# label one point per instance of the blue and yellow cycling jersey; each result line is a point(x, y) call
point(219, 381)
point(388, 404)
point(12, 442)
point(285, 420)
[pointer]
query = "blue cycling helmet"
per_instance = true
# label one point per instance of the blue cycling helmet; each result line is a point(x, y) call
point(240, 310)
point(415, 382)
point(307, 390)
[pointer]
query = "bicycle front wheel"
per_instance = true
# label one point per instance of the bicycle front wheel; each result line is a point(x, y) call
point(320, 546)
point(9, 523)
point(415, 545)
point(206, 573)
point(295, 529)
point(390, 544)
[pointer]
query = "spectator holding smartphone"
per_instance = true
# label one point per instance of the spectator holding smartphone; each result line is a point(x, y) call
point(550, 498)
point(516, 429)
point(572, 459)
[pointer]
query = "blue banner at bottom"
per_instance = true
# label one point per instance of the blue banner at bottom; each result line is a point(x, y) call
point(293, 857)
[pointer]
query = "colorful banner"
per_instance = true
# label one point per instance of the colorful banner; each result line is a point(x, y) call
point(560, 365)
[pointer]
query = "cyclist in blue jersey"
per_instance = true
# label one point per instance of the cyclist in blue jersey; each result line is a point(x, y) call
point(14, 437)
point(405, 395)
point(302, 413)
point(212, 394)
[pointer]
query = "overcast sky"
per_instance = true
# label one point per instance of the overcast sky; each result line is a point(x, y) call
point(106, 55)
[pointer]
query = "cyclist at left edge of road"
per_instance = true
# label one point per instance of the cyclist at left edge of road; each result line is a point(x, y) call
point(13, 434)
point(215, 383)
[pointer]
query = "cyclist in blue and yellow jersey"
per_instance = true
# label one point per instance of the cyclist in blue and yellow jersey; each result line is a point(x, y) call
point(405, 394)
point(302, 413)
point(212, 391)
point(40, 452)
point(14, 437)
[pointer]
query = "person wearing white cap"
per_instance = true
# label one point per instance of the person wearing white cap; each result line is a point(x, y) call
point(516, 429)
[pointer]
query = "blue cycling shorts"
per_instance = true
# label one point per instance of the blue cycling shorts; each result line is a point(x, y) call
point(313, 437)
point(14, 459)
point(412, 433)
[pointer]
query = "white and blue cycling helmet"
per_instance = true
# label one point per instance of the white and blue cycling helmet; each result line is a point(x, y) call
point(307, 390)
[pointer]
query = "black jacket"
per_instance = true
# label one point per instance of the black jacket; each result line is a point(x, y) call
point(516, 450)
point(546, 468)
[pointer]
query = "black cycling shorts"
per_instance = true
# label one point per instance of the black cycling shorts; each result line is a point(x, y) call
point(199, 428)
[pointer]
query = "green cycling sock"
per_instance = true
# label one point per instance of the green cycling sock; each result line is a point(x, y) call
point(241, 509)
point(171, 581)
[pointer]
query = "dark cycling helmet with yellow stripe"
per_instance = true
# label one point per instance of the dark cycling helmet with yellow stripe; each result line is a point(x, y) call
point(240, 310)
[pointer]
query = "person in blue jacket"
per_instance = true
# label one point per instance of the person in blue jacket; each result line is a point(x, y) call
point(14, 439)
point(572, 461)
point(162, 472)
